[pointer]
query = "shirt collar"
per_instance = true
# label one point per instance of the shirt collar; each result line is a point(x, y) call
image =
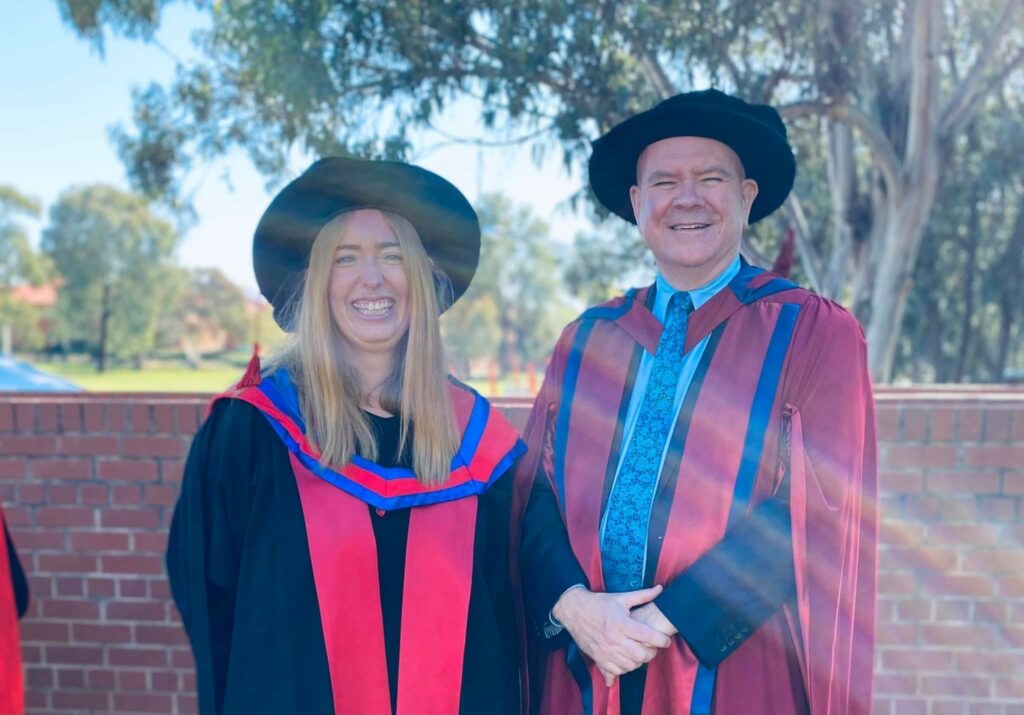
point(699, 296)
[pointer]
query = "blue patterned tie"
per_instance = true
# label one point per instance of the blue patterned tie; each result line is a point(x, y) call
point(624, 546)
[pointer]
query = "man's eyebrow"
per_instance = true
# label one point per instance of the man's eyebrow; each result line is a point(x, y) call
point(660, 174)
point(715, 169)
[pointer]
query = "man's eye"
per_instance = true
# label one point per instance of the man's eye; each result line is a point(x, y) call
point(712, 179)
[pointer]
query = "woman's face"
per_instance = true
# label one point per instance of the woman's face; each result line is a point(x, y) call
point(368, 289)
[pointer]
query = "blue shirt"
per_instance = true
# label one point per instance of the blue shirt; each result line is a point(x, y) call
point(662, 296)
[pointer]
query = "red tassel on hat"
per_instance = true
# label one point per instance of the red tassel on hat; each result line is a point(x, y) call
point(252, 372)
point(784, 261)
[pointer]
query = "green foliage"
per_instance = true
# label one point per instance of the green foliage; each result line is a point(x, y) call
point(210, 310)
point(516, 305)
point(115, 258)
point(20, 264)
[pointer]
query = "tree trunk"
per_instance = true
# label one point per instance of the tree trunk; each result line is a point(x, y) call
point(842, 178)
point(101, 358)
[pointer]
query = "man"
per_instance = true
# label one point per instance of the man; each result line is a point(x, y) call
point(13, 604)
point(701, 514)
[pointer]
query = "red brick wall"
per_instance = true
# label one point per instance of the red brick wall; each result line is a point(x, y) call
point(88, 486)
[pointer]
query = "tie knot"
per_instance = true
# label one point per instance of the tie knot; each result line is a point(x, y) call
point(680, 303)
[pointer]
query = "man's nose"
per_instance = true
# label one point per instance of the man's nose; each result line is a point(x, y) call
point(687, 194)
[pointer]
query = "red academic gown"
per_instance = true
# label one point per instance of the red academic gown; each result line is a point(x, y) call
point(11, 687)
point(781, 400)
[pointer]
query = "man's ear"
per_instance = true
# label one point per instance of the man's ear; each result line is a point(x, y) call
point(634, 198)
point(749, 189)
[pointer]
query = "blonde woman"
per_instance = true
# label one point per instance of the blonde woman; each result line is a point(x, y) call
point(341, 540)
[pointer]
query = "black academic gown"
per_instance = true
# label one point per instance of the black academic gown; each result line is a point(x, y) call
point(250, 604)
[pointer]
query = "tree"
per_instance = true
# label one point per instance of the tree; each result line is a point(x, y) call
point(209, 310)
point(114, 256)
point(887, 86)
point(19, 264)
point(516, 305)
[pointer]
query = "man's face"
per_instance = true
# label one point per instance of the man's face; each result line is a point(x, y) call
point(691, 203)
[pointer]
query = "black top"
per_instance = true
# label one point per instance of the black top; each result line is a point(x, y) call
point(240, 573)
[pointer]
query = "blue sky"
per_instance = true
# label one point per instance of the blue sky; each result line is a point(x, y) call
point(60, 98)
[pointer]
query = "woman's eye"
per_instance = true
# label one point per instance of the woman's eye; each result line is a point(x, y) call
point(345, 260)
point(392, 258)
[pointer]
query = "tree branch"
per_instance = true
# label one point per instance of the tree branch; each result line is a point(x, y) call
point(954, 124)
point(885, 155)
point(809, 258)
point(966, 98)
point(656, 75)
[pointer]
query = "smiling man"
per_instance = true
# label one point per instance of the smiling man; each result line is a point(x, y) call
point(699, 535)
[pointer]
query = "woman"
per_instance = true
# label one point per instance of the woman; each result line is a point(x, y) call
point(341, 540)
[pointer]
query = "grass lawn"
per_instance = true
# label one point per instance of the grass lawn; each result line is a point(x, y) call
point(154, 378)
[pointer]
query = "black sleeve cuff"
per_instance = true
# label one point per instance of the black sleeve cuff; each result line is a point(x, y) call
point(720, 600)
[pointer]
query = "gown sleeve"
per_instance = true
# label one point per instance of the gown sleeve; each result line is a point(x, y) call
point(207, 533)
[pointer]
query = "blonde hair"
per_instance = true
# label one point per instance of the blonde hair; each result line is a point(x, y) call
point(416, 389)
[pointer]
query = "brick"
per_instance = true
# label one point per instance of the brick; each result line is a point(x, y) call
point(172, 470)
point(915, 425)
point(899, 455)
point(118, 418)
point(134, 611)
point(100, 587)
point(153, 447)
point(892, 532)
point(1017, 430)
point(161, 589)
point(949, 707)
point(896, 634)
point(13, 468)
point(991, 612)
point(188, 419)
point(71, 678)
point(914, 609)
point(887, 422)
point(65, 516)
point(163, 419)
point(75, 655)
point(966, 585)
point(6, 417)
point(132, 680)
point(71, 608)
point(149, 542)
point(947, 610)
point(164, 680)
point(61, 494)
point(994, 560)
point(997, 425)
point(31, 655)
point(45, 632)
point(70, 586)
point(941, 425)
point(94, 494)
point(130, 518)
point(161, 494)
point(136, 470)
point(957, 635)
point(902, 706)
point(964, 481)
point(31, 494)
point(89, 445)
point(25, 417)
point(28, 445)
point(1010, 688)
point(100, 679)
point(95, 418)
point(132, 588)
point(940, 507)
point(151, 657)
point(100, 541)
point(143, 702)
point(132, 564)
point(47, 419)
point(955, 684)
point(969, 425)
point(1003, 663)
point(187, 704)
point(996, 508)
point(102, 633)
point(919, 558)
point(39, 678)
point(160, 635)
point(182, 658)
point(67, 563)
point(38, 587)
point(976, 708)
point(991, 455)
point(139, 418)
point(1013, 483)
point(126, 494)
point(901, 481)
point(38, 540)
point(962, 534)
point(895, 683)
point(17, 516)
point(71, 417)
point(79, 701)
